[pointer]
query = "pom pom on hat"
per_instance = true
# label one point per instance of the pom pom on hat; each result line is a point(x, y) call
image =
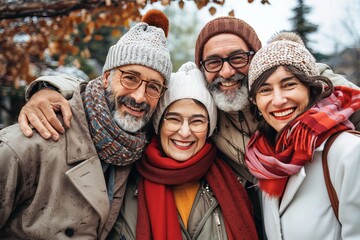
point(284, 49)
point(143, 44)
point(187, 83)
point(158, 19)
point(285, 35)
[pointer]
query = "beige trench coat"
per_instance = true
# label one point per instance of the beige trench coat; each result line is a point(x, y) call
point(55, 190)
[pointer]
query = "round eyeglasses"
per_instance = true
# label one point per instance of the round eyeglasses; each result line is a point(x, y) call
point(196, 124)
point(238, 60)
point(131, 81)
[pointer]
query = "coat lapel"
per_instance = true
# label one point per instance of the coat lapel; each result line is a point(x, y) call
point(292, 187)
point(88, 179)
point(87, 175)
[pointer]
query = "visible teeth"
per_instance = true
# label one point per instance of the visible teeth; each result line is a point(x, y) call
point(228, 84)
point(183, 144)
point(134, 109)
point(284, 113)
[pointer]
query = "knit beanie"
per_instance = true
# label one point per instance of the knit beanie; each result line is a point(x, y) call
point(144, 44)
point(285, 48)
point(226, 25)
point(188, 82)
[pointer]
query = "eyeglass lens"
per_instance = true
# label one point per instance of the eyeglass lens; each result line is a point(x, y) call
point(237, 60)
point(131, 81)
point(196, 124)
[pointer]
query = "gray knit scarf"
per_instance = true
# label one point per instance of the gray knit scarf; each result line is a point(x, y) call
point(114, 145)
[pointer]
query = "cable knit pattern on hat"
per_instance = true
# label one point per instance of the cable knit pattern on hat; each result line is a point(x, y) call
point(143, 44)
point(188, 82)
point(284, 50)
point(226, 25)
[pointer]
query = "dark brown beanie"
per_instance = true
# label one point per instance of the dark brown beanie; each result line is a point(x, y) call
point(226, 25)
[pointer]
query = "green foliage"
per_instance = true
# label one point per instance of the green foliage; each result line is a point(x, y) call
point(300, 24)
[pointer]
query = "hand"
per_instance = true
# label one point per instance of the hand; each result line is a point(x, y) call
point(40, 113)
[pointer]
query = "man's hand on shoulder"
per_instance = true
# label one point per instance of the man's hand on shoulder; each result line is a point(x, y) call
point(40, 112)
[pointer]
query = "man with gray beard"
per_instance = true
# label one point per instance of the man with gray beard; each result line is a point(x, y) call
point(223, 51)
point(74, 188)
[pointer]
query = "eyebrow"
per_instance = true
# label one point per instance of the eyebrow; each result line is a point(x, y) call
point(230, 54)
point(179, 115)
point(281, 81)
point(139, 75)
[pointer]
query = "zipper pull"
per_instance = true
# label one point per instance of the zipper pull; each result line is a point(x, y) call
point(217, 219)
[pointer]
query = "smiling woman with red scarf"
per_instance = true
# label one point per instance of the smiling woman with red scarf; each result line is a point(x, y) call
point(181, 189)
point(299, 110)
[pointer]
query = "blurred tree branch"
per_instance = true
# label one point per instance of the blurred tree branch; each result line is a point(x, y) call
point(32, 31)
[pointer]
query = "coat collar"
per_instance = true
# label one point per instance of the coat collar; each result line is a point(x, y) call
point(79, 134)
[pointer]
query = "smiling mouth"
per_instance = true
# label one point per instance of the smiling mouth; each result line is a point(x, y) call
point(134, 108)
point(229, 83)
point(182, 144)
point(283, 113)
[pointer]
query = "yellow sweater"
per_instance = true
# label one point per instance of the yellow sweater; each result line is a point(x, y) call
point(184, 198)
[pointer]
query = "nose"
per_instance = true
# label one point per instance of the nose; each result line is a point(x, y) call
point(278, 98)
point(227, 70)
point(185, 130)
point(139, 94)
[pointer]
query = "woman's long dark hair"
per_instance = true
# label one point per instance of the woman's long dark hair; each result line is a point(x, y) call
point(320, 87)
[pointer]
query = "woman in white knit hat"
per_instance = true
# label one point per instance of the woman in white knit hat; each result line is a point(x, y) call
point(299, 111)
point(181, 189)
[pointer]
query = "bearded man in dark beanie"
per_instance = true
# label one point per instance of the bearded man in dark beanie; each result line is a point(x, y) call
point(224, 49)
point(74, 188)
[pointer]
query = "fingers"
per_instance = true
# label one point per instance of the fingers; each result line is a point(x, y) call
point(40, 113)
point(28, 115)
point(24, 124)
point(66, 113)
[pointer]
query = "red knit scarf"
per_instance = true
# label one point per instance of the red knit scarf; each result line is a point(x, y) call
point(157, 213)
point(297, 141)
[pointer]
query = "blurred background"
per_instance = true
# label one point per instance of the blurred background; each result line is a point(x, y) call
point(47, 37)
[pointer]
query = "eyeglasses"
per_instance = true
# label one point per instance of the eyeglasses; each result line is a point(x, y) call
point(196, 124)
point(131, 81)
point(238, 60)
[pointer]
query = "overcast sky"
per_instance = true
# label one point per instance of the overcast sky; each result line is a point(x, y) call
point(329, 15)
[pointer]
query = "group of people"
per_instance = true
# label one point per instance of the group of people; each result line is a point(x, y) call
point(234, 150)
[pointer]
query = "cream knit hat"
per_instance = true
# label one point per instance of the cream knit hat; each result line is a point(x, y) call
point(188, 82)
point(285, 48)
point(144, 44)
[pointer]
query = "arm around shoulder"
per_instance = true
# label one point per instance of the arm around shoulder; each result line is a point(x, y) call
point(66, 84)
point(336, 79)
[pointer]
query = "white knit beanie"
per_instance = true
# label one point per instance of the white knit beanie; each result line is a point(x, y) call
point(143, 44)
point(285, 48)
point(188, 82)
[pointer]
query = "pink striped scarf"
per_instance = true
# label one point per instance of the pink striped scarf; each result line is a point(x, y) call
point(296, 143)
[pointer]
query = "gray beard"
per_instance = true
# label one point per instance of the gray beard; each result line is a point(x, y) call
point(130, 123)
point(127, 122)
point(229, 101)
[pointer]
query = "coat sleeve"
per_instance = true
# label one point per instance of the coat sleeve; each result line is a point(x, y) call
point(336, 79)
point(344, 157)
point(11, 182)
point(65, 83)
